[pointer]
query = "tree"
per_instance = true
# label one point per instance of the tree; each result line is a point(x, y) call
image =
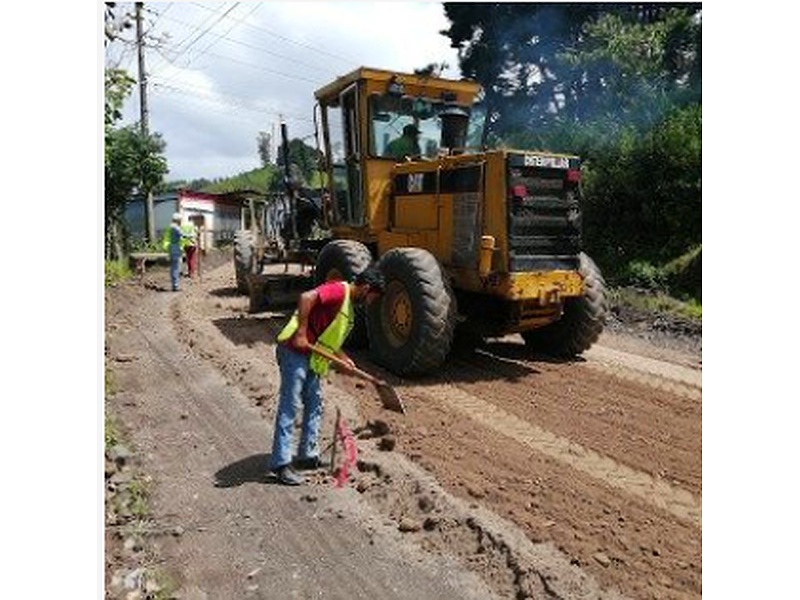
point(264, 142)
point(132, 160)
point(115, 22)
point(304, 156)
point(544, 64)
point(118, 86)
point(511, 49)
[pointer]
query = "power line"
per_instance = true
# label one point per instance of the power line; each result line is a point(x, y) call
point(223, 36)
point(207, 29)
point(201, 52)
point(259, 48)
point(227, 100)
point(291, 41)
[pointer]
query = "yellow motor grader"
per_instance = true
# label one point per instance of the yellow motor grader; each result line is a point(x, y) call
point(486, 241)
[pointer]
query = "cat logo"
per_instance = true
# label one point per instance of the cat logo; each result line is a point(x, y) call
point(553, 162)
point(414, 183)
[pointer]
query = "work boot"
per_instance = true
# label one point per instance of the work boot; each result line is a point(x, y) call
point(287, 476)
point(309, 463)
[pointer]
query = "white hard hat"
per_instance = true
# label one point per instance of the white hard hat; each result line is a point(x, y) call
point(176, 217)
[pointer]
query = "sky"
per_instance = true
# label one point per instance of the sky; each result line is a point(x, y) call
point(219, 73)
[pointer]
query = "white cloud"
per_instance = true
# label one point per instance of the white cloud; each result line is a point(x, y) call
point(231, 70)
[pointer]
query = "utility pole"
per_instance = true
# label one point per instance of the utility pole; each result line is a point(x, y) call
point(143, 117)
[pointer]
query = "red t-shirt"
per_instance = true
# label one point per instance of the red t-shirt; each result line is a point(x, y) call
point(324, 311)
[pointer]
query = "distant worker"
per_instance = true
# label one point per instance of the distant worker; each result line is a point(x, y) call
point(189, 243)
point(173, 243)
point(324, 317)
point(405, 145)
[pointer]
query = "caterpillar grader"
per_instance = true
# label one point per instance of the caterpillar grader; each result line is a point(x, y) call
point(486, 242)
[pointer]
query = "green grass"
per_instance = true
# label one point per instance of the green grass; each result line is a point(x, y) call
point(112, 433)
point(657, 301)
point(116, 271)
point(139, 491)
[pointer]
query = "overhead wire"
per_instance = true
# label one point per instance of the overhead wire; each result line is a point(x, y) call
point(259, 48)
point(229, 105)
point(223, 36)
point(224, 108)
point(291, 41)
point(206, 32)
point(227, 14)
point(207, 29)
point(228, 100)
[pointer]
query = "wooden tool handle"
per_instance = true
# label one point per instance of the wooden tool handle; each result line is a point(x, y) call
point(335, 359)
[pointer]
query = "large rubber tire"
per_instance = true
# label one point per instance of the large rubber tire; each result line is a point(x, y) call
point(582, 322)
point(411, 326)
point(343, 260)
point(244, 258)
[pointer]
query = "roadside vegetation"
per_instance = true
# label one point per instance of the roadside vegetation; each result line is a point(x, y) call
point(116, 271)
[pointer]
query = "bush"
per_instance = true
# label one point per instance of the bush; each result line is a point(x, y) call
point(685, 274)
point(116, 271)
point(645, 276)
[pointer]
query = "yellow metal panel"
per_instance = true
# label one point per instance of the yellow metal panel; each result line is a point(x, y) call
point(402, 239)
point(494, 205)
point(378, 180)
point(416, 212)
point(391, 239)
point(548, 287)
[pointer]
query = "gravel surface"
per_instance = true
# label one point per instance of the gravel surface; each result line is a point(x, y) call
point(511, 476)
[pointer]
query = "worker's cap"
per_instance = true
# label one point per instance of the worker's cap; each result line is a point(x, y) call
point(176, 216)
point(372, 277)
point(411, 129)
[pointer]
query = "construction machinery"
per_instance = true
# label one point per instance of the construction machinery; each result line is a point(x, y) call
point(484, 242)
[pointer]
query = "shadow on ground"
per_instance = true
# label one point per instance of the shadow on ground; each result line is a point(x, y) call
point(252, 469)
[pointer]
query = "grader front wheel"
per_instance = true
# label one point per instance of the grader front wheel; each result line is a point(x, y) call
point(411, 327)
point(245, 261)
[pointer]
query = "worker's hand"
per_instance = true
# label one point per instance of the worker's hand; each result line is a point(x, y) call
point(348, 362)
point(301, 340)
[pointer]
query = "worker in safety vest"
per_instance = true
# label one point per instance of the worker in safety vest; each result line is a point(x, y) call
point(189, 245)
point(324, 317)
point(172, 242)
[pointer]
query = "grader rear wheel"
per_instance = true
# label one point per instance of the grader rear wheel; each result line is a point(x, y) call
point(582, 322)
point(411, 327)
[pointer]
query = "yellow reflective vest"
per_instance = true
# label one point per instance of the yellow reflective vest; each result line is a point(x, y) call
point(332, 338)
point(188, 235)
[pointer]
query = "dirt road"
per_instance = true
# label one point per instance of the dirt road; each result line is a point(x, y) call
point(511, 476)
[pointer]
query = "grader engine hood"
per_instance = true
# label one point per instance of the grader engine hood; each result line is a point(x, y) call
point(544, 218)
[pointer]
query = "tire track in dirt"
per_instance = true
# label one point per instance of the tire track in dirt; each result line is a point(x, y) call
point(689, 378)
point(581, 515)
point(654, 381)
point(678, 502)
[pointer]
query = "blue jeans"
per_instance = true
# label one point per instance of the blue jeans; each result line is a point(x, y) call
point(298, 385)
point(175, 268)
